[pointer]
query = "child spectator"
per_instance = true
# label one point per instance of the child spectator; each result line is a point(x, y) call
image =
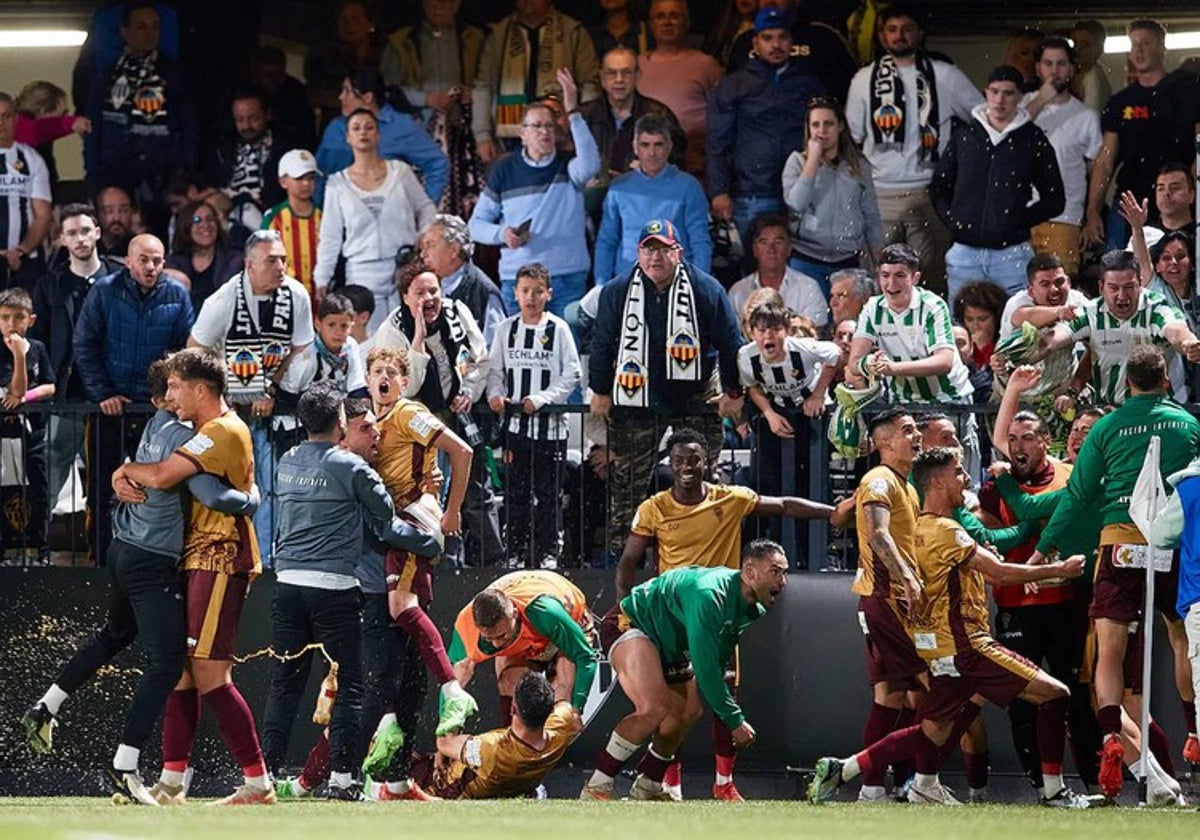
point(298, 219)
point(333, 355)
point(27, 376)
point(534, 364)
point(363, 301)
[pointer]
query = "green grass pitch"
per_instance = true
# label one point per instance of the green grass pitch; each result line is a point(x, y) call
point(98, 819)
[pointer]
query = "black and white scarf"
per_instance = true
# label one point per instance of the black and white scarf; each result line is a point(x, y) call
point(682, 346)
point(888, 105)
point(449, 328)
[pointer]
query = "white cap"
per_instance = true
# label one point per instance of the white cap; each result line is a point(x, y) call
point(297, 163)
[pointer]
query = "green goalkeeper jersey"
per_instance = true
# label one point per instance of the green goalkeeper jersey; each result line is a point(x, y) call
point(1108, 465)
point(696, 614)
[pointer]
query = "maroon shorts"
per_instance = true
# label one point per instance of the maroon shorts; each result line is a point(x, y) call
point(993, 671)
point(1120, 594)
point(214, 610)
point(891, 656)
point(616, 624)
point(407, 572)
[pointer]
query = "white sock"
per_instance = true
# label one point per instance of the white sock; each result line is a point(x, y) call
point(172, 777)
point(453, 690)
point(299, 782)
point(398, 787)
point(126, 758)
point(850, 768)
point(341, 780)
point(54, 698)
point(1156, 771)
point(386, 721)
point(925, 781)
point(872, 792)
point(722, 779)
point(618, 748)
point(1051, 785)
point(258, 782)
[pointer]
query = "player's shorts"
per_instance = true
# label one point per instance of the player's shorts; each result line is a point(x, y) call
point(891, 656)
point(1120, 594)
point(991, 670)
point(408, 572)
point(214, 611)
point(617, 628)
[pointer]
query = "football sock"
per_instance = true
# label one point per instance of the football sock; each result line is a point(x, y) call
point(506, 711)
point(385, 721)
point(725, 754)
point(55, 697)
point(126, 758)
point(976, 765)
point(341, 780)
point(653, 765)
point(925, 781)
point(1189, 716)
point(1109, 718)
point(851, 769)
point(902, 769)
point(881, 721)
point(316, 765)
point(1052, 733)
point(1161, 748)
point(674, 775)
point(181, 715)
point(611, 758)
point(898, 746)
point(927, 754)
point(416, 623)
point(398, 787)
point(236, 725)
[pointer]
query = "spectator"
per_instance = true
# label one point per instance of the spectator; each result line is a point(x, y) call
point(260, 322)
point(899, 110)
point(679, 76)
point(1167, 266)
point(244, 164)
point(129, 319)
point(115, 208)
point(1090, 82)
point(446, 247)
point(1021, 52)
point(849, 291)
point(612, 117)
point(771, 242)
point(201, 258)
point(737, 18)
point(358, 44)
point(532, 205)
point(659, 337)
point(621, 28)
point(764, 296)
point(27, 376)
point(979, 307)
point(1074, 132)
point(829, 189)
point(985, 186)
point(820, 45)
point(1174, 201)
point(522, 59)
point(400, 137)
point(447, 360)
point(756, 118)
point(286, 97)
point(298, 218)
point(57, 301)
point(435, 61)
point(652, 189)
point(25, 204)
point(143, 125)
point(363, 301)
point(42, 118)
point(374, 208)
point(1146, 125)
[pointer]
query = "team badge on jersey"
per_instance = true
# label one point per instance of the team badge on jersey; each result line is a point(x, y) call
point(684, 349)
point(631, 377)
point(244, 366)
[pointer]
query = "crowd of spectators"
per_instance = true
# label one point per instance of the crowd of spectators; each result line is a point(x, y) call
point(679, 198)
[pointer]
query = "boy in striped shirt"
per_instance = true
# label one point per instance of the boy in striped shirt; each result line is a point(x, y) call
point(298, 220)
point(533, 363)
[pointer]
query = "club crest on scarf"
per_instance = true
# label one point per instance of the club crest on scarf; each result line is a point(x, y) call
point(244, 366)
point(684, 349)
point(272, 356)
point(888, 118)
point(631, 377)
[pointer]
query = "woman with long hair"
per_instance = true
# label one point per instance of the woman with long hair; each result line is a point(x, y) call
point(373, 208)
point(831, 195)
point(201, 257)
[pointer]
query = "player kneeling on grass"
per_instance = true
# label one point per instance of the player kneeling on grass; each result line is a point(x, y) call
point(685, 620)
point(950, 632)
point(507, 762)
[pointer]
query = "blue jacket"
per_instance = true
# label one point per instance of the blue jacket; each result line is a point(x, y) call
point(756, 119)
point(400, 138)
point(119, 333)
point(720, 339)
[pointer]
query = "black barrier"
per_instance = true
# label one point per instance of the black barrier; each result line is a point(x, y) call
point(804, 683)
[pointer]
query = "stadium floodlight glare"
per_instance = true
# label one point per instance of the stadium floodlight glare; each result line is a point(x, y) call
point(13, 38)
point(1175, 41)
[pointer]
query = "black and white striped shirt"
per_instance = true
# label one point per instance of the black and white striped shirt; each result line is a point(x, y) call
point(790, 381)
point(23, 178)
point(538, 362)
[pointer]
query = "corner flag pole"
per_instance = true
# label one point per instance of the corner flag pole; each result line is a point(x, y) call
point(1144, 507)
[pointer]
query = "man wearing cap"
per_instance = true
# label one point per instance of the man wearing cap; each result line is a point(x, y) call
point(297, 219)
point(659, 333)
point(899, 110)
point(984, 188)
point(755, 120)
point(243, 162)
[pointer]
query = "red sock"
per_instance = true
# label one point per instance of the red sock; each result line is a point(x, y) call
point(180, 718)
point(900, 745)
point(654, 767)
point(1052, 733)
point(976, 765)
point(881, 721)
point(1161, 748)
point(1109, 718)
point(506, 713)
point(236, 724)
point(316, 766)
point(722, 739)
point(902, 770)
point(928, 754)
point(674, 774)
point(416, 623)
point(1189, 716)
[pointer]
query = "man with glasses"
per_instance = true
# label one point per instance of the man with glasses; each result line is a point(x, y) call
point(532, 204)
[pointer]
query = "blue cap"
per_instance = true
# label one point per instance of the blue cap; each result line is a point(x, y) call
point(771, 18)
point(661, 229)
